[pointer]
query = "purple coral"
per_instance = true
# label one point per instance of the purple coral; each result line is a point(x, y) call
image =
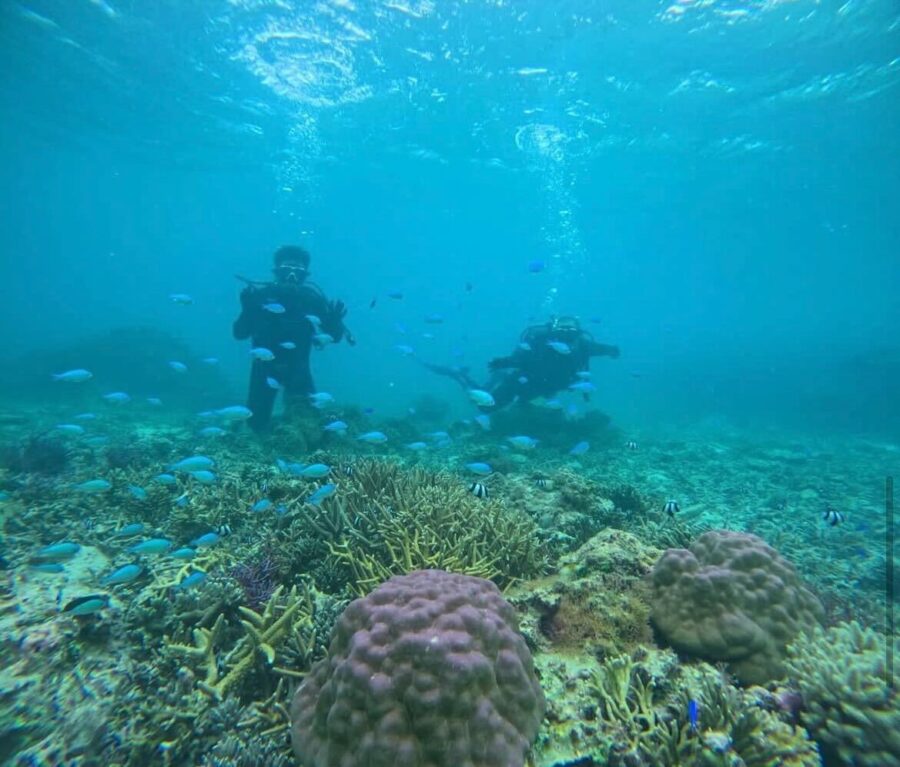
point(257, 579)
point(429, 670)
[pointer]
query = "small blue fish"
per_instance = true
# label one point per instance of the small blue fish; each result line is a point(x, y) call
point(262, 354)
point(315, 471)
point(194, 579)
point(405, 349)
point(323, 339)
point(417, 446)
point(536, 266)
point(522, 380)
point(79, 375)
point(234, 413)
point(326, 491)
point(4, 496)
point(336, 427)
point(185, 552)
point(320, 398)
point(397, 295)
point(137, 492)
point(154, 401)
point(70, 428)
point(85, 416)
point(117, 397)
point(47, 567)
point(133, 529)
point(151, 546)
point(178, 367)
point(523, 442)
point(373, 438)
point(584, 387)
point(274, 308)
point(96, 441)
point(87, 605)
point(165, 479)
point(193, 463)
point(584, 375)
point(315, 321)
point(288, 345)
point(693, 714)
point(261, 505)
point(483, 420)
point(552, 404)
point(207, 539)
point(272, 383)
point(480, 468)
point(211, 431)
point(560, 347)
point(210, 360)
point(434, 319)
point(93, 486)
point(182, 500)
point(124, 574)
point(525, 346)
point(203, 476)
point(481, 398)
point(581, 448)
point(281, 509)
point(181, 298)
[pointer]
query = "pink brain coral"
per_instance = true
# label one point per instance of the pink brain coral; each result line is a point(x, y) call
point(429, 670)
point(732, 597)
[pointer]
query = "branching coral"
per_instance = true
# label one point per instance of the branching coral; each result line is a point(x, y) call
point(849, 706)
point(285, 614)
point(388, 520)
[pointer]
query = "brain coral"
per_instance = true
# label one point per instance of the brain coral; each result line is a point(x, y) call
point(731, 597)
point(428, 670)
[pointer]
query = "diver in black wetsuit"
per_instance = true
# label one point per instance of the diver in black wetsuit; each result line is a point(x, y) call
point(546, 361)
point(277, 317)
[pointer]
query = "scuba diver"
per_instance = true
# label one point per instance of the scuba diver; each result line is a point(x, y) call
point(547, 360)
point(285, 319)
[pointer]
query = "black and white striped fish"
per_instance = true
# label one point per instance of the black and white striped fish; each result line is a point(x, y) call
point(671, 508)
point(631, 445)
point(832, 517)
point(348, 470)
point(223, 530)
point(543, 483)
point(479, 490)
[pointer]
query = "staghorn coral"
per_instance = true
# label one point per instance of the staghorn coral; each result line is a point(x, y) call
point(731, 597)
point(285, 613)
point(632, 711)
point(848, 705)
point(427, 670)
point(389, 520)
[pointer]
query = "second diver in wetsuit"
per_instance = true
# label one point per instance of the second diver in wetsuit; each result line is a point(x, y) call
point(546, 361)
point(287, 317)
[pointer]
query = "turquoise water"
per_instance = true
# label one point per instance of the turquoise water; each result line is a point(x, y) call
point(711, 186)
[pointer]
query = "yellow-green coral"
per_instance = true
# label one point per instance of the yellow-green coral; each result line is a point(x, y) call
point(633, 710)
point(388, 520)
point(284, 614)
point(849, 707)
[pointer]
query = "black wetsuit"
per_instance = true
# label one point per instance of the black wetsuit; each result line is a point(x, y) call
point(537, 369)
point(270, 330)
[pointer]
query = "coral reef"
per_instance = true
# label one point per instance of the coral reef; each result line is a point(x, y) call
point(428, 669)
point(848, 705)
point(634, 710)
point(389, 520)
point(731, 597)
point(597, 604)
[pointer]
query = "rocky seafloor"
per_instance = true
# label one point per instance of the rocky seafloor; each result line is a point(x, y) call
point(193, 659)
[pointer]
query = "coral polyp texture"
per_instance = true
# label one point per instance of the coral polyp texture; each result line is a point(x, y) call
point(732, 597)
point(428, 670)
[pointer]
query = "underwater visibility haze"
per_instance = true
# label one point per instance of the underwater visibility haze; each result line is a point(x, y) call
point(480, 382)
